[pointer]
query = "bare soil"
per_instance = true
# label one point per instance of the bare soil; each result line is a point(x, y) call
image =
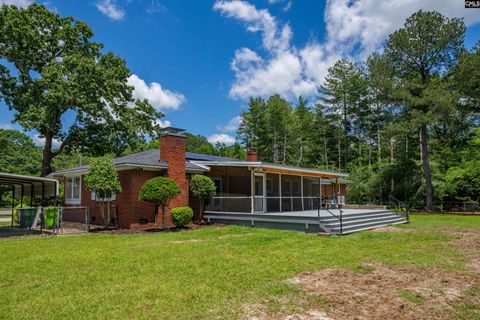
point(384, 291)
point(389, 229)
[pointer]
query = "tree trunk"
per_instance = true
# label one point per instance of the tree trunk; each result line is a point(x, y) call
point(163, 218)
point(339, 155)
point(108, 214)
point(47, 156)
point(392, 182)
point(325, 149)
point(202, 210)
point(427, 175)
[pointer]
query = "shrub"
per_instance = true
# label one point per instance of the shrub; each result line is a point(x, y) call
point(160, 191)
point(202, 188)
point(181, 216)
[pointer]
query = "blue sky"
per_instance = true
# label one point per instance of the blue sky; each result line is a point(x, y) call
point(198, 61)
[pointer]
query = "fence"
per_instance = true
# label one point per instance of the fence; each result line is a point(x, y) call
point(467, 207)
point(57, 220)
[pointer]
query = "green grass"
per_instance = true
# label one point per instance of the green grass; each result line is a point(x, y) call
point(203, 274)
point(411, 296)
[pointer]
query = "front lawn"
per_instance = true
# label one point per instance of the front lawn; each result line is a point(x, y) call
point(225, 273)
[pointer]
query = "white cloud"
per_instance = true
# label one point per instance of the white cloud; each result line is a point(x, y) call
point(163, 123)
point(18, 3)
point(40, 141)
point(354, 30)
point(286, 7)
point(282, 74)
point(367, 23)
point(274, 38)
point(222, 138)
point(110, 9)
point(231, 126)
point(162, 99)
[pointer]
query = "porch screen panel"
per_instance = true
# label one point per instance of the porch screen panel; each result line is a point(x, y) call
point(239, 189)
point(233, 190)
point(219, 201)
point(311, 191)
point(273, 192)
point(291, 193)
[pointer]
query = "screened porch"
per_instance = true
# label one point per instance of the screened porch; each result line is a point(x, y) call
point(250, 190)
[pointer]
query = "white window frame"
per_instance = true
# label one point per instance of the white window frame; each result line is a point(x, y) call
point(112, 198)
point(69, 199)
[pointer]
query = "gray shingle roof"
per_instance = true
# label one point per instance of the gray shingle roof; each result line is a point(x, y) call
point(149, 158)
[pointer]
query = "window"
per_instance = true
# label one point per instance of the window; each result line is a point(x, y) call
point(72, 190)
point(103, 196)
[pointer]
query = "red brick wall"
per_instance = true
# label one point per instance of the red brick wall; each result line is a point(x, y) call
point(130, 209)
point(252, 156)
point(172, 151)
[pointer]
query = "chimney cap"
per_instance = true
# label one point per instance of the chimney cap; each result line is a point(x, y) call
point(172, 131)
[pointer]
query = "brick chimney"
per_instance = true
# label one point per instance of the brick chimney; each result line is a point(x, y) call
point(252, 154)
point(172, 151)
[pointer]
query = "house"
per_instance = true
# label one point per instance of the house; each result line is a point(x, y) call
point(243, 186)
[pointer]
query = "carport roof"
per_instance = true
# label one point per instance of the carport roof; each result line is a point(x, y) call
point(36, 186)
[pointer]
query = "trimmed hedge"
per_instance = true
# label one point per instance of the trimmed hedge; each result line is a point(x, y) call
point(181, 216)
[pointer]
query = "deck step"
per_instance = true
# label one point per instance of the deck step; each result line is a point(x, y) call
point(372, 227)
point(357, 221)
point(367, 225)
point(366, 216)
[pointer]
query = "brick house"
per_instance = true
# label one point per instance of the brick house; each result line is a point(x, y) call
point(243, 186)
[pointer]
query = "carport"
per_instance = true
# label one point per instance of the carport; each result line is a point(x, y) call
point(28, 186)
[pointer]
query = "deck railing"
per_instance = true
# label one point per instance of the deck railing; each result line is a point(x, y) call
point(339, 217)
point(400, 207)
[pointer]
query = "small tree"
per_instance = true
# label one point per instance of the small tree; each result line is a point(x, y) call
point(102, 179)
point(160, 191)
point(202, 188)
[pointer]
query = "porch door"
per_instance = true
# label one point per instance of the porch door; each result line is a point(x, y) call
point(259, 192)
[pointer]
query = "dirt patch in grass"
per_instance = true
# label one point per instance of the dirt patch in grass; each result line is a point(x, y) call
point(387, 292)
point(187, 241)
point(389, 229)
point(189, 227)
point(236, 235)
point(383, 291)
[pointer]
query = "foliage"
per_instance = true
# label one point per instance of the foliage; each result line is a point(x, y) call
point(102, 178)
point(199, 144)
point(235, 151)
point(18, 153)
point(50, 67)
point(159, 190)
point(181, 216)
point(202, 188)
point(418, 53)
point(462, 183)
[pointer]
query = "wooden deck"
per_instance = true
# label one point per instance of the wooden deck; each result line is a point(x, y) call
point(311, 220)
